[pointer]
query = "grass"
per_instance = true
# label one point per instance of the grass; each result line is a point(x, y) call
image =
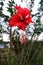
point(31, 54)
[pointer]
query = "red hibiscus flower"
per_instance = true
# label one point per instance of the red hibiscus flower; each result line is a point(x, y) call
point(17, 7)
point(21, 18)
point(22, 11)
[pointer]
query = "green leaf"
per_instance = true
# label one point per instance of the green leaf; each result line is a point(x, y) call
point(10, 10)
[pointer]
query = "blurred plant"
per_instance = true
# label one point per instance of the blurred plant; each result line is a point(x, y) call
point(29, 52)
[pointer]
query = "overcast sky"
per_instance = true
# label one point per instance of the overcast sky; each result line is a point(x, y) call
point(22, 4)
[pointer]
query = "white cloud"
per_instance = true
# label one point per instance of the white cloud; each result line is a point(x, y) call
point(5, 37)
point(5, 8)
point(35, 7)
point(40, 38)
point(41, 19)
point(22, 4)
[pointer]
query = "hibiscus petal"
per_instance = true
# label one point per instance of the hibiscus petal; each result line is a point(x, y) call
point(24, 12)
point(14, 19)
point(21, 19)
point(28, 20)
point(23, 26)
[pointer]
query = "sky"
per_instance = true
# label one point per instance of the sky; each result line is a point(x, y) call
point(22, 4)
